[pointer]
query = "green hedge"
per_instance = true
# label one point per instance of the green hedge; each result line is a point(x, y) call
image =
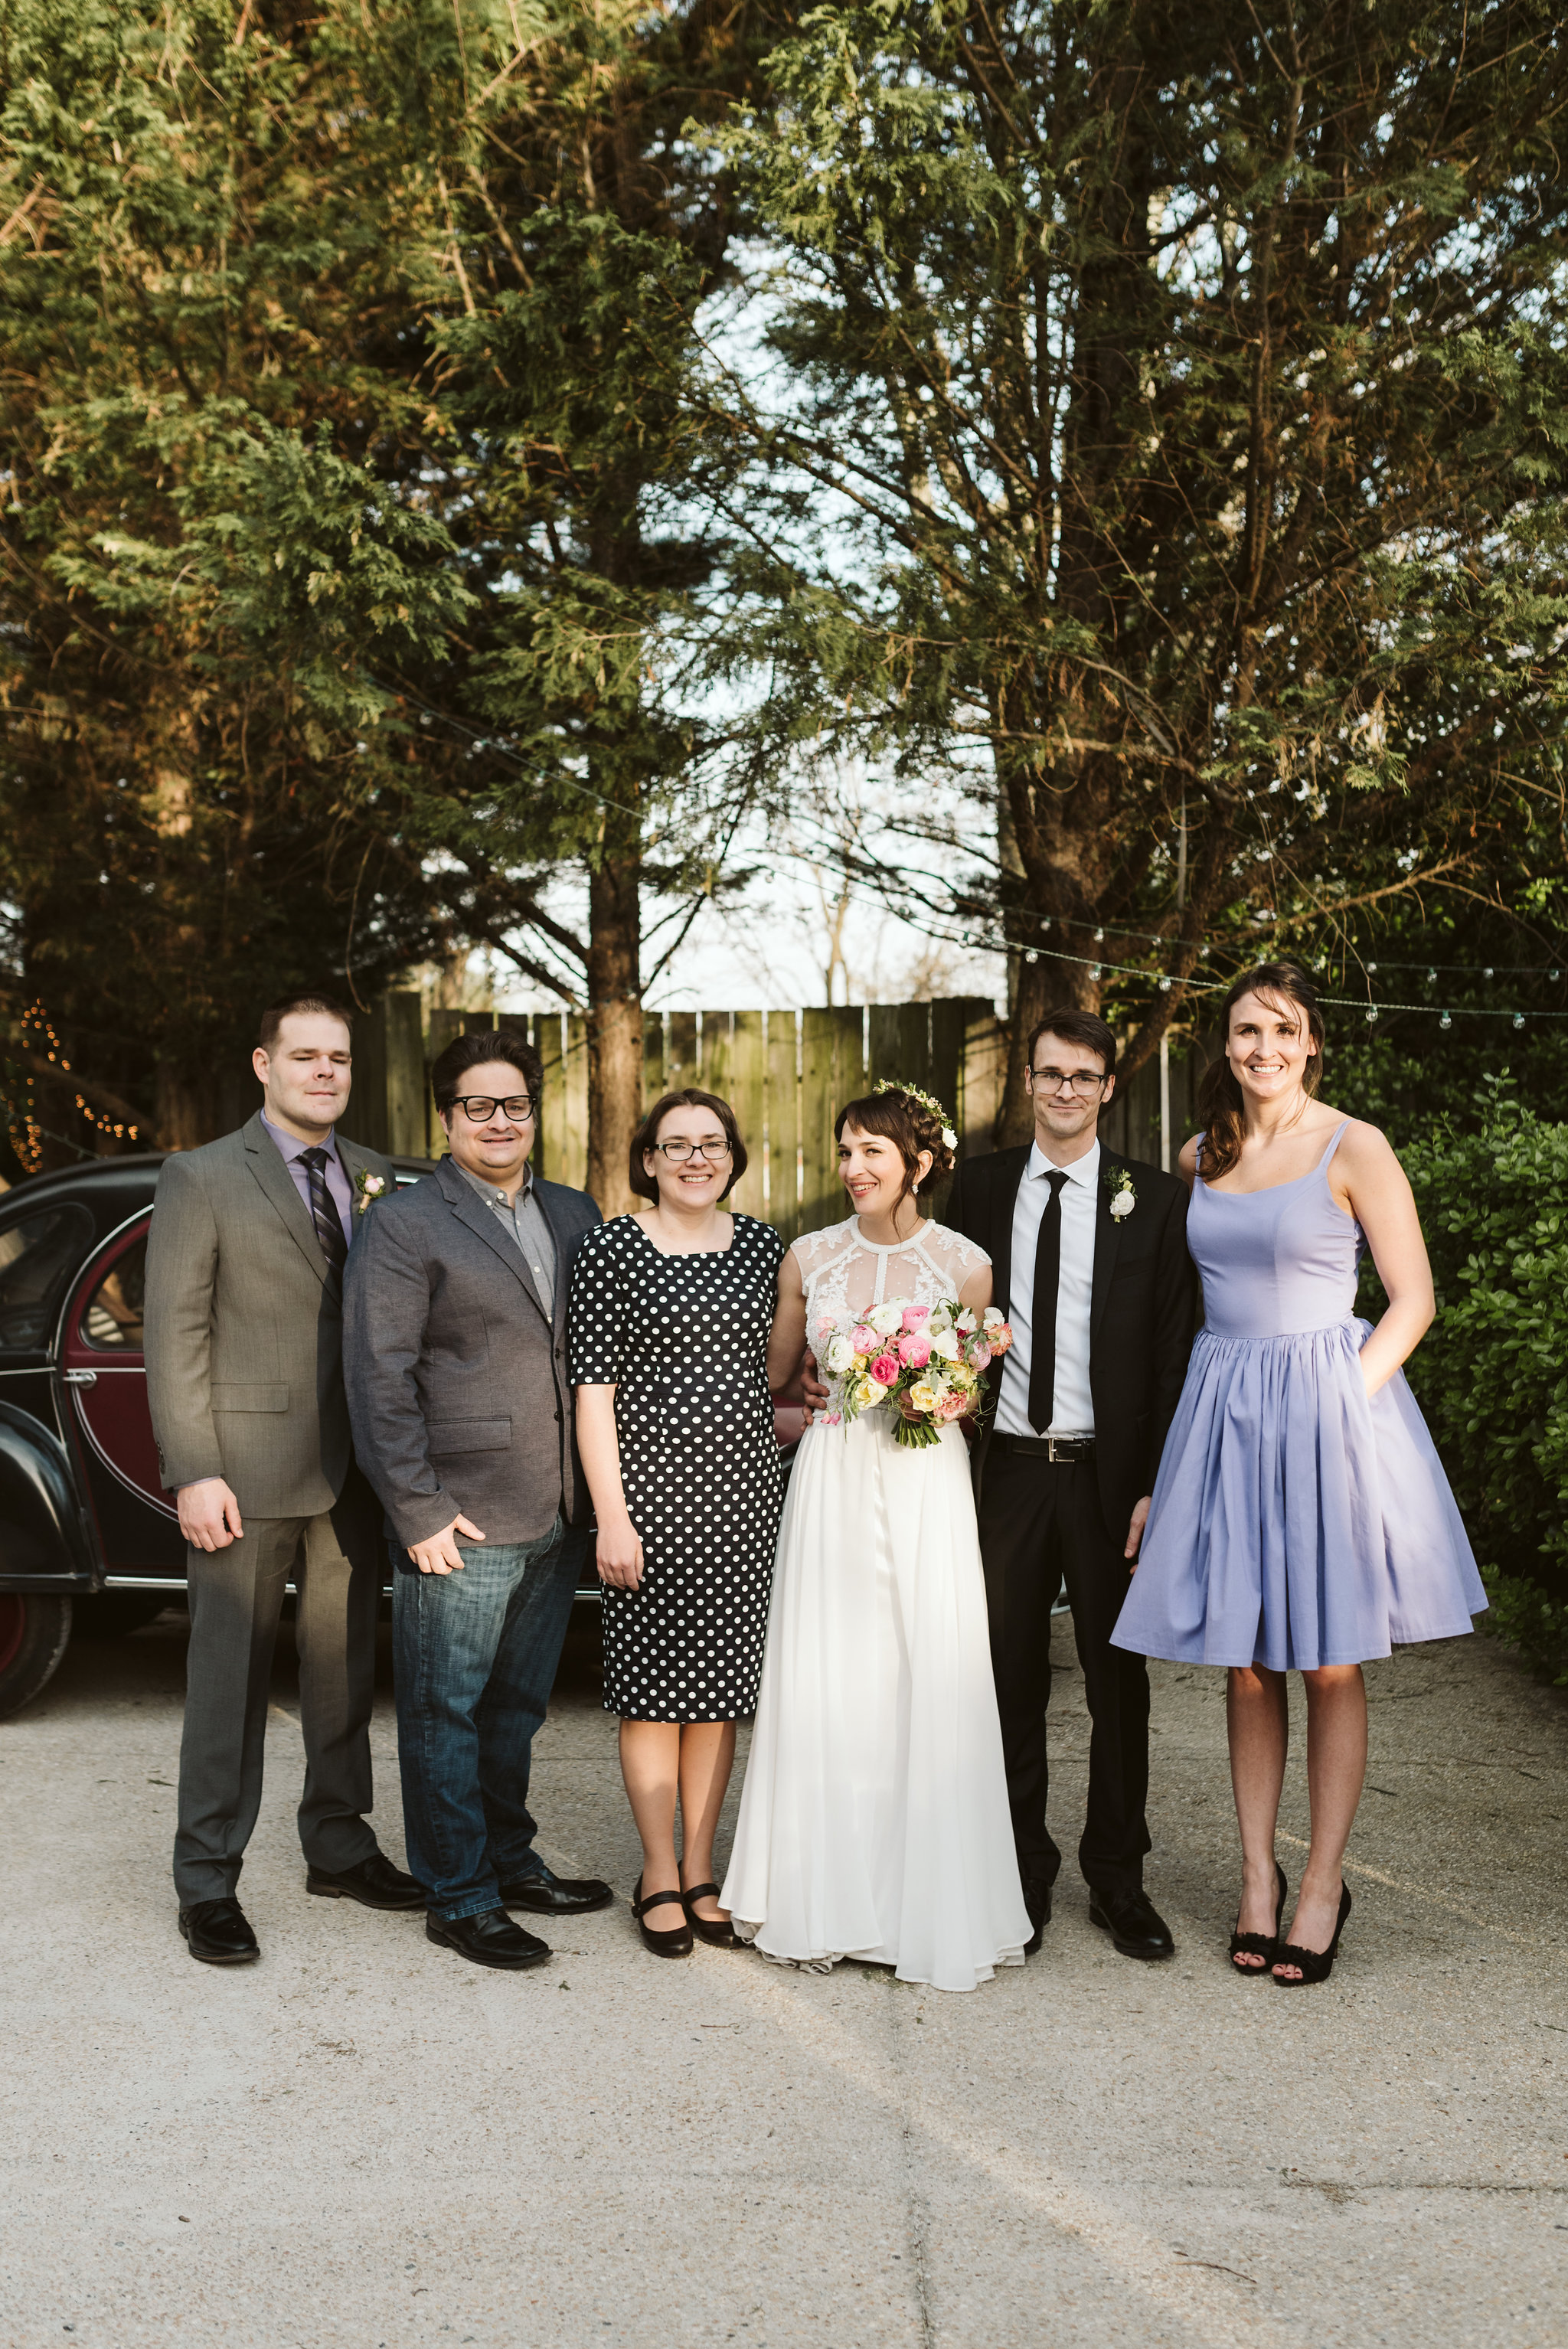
point(1492, 1375)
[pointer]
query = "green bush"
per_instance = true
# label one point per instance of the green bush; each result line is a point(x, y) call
point(1492, 1375)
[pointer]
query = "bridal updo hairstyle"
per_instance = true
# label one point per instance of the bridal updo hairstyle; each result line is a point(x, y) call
point(1219, 1095)
point(645, 1138)
point(899, 1117)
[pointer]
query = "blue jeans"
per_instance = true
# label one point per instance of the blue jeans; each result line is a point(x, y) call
point(474, 1657)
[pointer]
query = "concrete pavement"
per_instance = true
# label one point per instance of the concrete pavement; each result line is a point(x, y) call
point(362, 2140)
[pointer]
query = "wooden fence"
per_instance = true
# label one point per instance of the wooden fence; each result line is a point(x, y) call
point(786, 1074)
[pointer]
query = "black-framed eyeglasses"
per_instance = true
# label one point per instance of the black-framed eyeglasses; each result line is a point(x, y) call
point(1084, 1081)
point(479, 1108)
point(677, 1153)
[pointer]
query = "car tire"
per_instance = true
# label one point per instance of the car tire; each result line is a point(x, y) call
point(114, 1614)
point(34, 1632)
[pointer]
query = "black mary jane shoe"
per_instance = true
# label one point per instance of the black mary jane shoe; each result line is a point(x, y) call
point(676, 1944)
point(1315, 1965)
point(1260, 1945)
point(717, 1932)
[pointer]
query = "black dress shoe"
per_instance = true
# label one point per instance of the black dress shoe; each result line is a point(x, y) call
point(1037, 1902)
point(219, 1932)
point(488, 1940)
point(375, 1881)
point(1133, 1922)
point(557, 1896)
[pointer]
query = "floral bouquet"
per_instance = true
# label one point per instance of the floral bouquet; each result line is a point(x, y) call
point(927, 1360)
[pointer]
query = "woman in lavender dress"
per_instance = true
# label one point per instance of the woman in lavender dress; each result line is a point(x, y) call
point(1301, 1518)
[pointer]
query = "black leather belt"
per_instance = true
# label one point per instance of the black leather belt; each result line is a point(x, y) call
point(1047, 1447)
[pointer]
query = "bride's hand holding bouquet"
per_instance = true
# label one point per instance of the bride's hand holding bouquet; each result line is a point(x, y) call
point(926, 1361)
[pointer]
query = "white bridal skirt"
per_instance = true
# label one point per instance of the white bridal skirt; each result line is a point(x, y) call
point(873, 1820)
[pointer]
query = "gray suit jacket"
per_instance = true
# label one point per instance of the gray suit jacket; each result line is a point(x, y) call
point(244, 1327)
point(458, 1385)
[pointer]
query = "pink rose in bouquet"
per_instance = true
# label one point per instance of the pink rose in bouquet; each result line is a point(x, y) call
point(979, 1355)
point(886, 1369)
point(914, 1351)
point(999, 1336)
point(952, 1406)
point(864, 1338)
point(916, 1317)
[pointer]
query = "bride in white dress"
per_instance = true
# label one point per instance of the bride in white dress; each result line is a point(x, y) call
point(874, 1820)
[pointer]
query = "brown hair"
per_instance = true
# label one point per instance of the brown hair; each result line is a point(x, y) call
point(471, 1051)
point(274, 1015)
point(1075, 1027)
point(645, 1138)
point(1219, 1095)
point(899, 1117)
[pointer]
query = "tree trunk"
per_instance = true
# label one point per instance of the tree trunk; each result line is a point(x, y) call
point(615, 1028)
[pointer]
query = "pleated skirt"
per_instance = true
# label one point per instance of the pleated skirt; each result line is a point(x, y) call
point(1296, 1522)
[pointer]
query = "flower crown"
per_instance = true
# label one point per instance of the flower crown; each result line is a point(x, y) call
point(926, 1101)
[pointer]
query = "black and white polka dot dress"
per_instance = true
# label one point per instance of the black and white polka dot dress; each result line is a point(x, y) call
point(684, 1342)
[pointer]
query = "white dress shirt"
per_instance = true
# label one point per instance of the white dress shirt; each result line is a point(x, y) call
point(1072, 1402)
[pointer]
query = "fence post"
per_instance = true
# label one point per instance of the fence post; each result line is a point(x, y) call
point(783, 1123)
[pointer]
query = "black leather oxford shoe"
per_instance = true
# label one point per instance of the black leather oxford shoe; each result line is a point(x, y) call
point(375, 1881)
point(557, 1896)
point(1133, 1922)
point(488, 1940)
point(219, 1932)
point(1038, 1901)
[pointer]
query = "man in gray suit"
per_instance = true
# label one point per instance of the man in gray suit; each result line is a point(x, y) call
point(244, 1374)
point(455, 1349)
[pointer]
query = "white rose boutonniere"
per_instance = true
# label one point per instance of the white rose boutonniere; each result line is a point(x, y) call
point(368, 1188)
point(1123, 1197)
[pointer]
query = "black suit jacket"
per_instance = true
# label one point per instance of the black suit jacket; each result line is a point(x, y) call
point(1142, 1316)
point(457, 1375)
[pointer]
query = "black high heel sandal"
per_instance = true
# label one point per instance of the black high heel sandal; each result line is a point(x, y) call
point(1315, 1965)
point(676, 1944)
point(717, 1932)
point(1260, 1945)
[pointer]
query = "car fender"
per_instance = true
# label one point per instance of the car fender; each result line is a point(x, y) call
point(45, 1539)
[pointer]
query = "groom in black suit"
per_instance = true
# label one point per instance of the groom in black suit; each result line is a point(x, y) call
point(1090, 1263)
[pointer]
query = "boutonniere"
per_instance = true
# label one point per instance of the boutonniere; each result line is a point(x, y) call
point(368, 1189)
point(1123, 1197)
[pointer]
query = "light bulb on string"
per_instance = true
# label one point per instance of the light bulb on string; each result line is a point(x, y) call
point(1446, 1022)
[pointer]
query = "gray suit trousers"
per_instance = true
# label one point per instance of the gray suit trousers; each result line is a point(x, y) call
point(235, 1597)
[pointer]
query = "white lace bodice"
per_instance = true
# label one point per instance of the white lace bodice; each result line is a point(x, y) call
point(842, 1273)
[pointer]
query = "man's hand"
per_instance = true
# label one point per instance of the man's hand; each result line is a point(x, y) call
point(619, 1555)
point(439, 1553)
point(1135, 1530)
point(209, 1514)
point(813, 1393)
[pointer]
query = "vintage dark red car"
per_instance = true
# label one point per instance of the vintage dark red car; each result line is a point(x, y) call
point(87, 1535)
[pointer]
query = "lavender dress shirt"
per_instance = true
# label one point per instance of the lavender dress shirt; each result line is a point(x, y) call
point(290, 1150)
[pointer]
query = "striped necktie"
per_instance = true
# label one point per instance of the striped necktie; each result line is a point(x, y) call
point(324, 1210)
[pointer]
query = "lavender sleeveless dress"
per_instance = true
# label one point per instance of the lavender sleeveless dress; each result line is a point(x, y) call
point(1295, 1523)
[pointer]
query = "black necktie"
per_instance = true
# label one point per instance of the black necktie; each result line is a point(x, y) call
point(323, 1211)
point(1042, 1326)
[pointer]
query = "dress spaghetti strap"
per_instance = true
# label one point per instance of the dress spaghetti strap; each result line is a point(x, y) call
point(1336, 1138)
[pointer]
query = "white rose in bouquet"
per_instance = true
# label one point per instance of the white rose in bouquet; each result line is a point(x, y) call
point(840, 1355)
point(945, 1344)
point(868, 1394)
point(885, 1319)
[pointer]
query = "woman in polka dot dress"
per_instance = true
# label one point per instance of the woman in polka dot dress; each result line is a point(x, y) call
point(672, 1313)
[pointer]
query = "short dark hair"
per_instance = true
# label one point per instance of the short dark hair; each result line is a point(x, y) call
point(646, 1185)
point(274, 1015)
point(451, 1065)
point(1075, 1027)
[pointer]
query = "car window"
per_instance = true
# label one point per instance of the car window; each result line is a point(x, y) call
point(37, 1256)
point(112, 1320)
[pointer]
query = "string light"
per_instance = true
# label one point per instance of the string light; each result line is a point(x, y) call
point(27, 1132)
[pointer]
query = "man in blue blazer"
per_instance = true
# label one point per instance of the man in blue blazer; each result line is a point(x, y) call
point(455, 1359)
